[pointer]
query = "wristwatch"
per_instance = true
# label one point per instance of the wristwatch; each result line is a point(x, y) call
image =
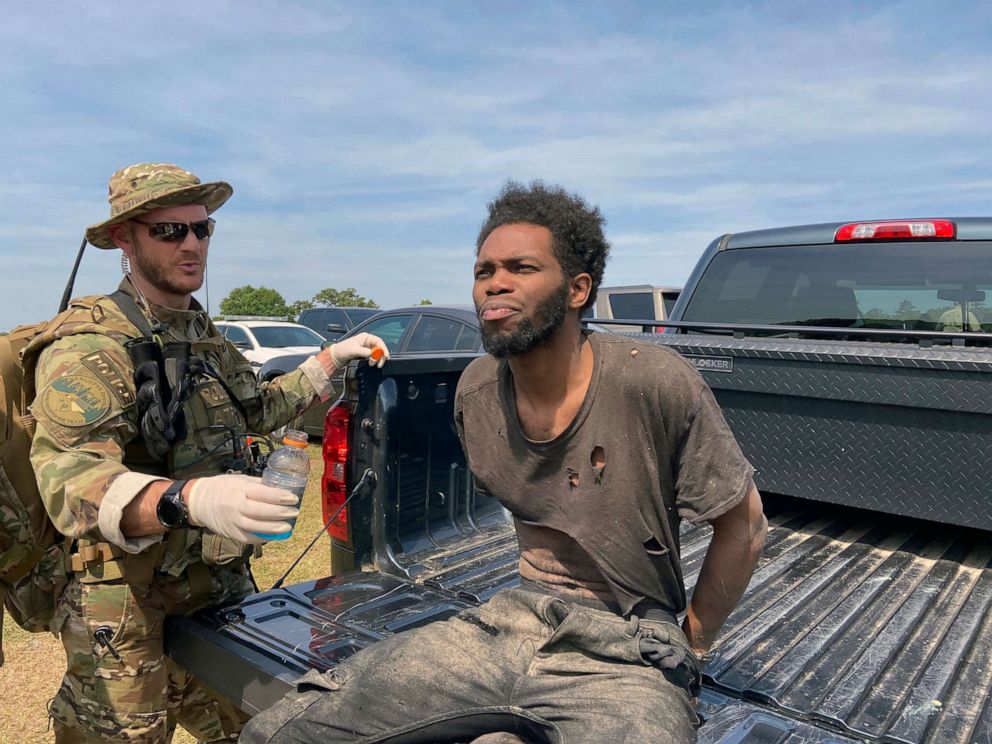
point(171, 509)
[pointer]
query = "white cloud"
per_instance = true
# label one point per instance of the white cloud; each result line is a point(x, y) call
point(364, 141)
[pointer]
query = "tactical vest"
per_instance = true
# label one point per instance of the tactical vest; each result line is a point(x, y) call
point(33, 556)
point(34, 559)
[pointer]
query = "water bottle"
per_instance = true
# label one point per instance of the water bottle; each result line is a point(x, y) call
point(288, 468)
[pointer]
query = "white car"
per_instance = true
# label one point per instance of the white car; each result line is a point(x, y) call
point(262, 340)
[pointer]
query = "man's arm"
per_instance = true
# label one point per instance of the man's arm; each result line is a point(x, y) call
point(273, 404)
point(228, 504)
point(139, 518)
point(738, 537)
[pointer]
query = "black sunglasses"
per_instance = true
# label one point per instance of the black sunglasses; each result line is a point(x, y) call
point(176, 232)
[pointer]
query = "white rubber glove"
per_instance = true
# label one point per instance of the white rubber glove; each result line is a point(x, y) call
point(358, 346)
point(238, 506)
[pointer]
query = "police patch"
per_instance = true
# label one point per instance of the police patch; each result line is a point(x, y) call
point(100, 364)
point(75, 400)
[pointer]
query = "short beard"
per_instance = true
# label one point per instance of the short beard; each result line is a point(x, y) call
point(153, 274)
point(530, 332)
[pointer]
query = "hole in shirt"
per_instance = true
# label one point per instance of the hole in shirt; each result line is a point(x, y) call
point(652, 546)
point(573, 478)
point(598, 461)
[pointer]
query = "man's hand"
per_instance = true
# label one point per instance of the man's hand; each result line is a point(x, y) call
point(738, 537)
point(360, 346)
point(239, 506)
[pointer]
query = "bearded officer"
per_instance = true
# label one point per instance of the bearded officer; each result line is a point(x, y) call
point(156, 530)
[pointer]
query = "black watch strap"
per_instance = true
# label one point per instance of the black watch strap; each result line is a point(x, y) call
point(171, 511)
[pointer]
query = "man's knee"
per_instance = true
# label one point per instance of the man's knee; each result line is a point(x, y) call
point(267, 725)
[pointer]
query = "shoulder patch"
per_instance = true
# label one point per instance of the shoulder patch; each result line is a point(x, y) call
point(100, 364)
point(75, 400)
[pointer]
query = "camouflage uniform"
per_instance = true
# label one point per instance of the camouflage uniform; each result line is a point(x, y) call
point(90, 461)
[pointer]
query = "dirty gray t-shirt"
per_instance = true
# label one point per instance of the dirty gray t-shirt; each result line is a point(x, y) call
point(668, 454)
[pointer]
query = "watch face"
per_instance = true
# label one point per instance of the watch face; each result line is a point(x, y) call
point(170, 510)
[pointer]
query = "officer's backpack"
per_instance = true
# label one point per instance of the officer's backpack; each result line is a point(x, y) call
point(33, 555)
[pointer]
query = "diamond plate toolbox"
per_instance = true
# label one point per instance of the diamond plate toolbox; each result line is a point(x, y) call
point(895, 428)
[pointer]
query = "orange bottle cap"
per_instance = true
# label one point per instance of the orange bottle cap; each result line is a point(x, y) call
point(295, 439)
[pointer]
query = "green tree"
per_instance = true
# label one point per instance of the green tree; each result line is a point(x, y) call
point(299, 306)
point(907, 311)
point(249, 300)
point(349, 297)
point(425, 302)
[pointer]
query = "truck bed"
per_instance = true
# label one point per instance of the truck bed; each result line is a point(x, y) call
point(855, 627)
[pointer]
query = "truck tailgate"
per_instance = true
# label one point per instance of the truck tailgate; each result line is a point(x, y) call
point(854, 627)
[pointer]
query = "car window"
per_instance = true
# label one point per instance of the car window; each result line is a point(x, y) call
point(358, 314)
point(469, 340)
point(635, 305)
point(281, 336)
point(236, 335)
point(318, 318)
point(389, 329)
point(333, 315)
point(668, 300)
point(435, 334)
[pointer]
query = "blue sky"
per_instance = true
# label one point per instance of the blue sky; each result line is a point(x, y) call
point(363, 139)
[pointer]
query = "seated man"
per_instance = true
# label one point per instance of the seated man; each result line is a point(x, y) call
point(598, 444)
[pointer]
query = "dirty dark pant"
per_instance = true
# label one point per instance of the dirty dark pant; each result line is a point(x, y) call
point(524, 662)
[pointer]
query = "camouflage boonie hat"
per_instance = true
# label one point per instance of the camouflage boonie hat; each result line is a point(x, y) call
point(144, 187)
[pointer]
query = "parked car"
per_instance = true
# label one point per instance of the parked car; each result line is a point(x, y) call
point(333, 322)
point(425, 328)
point(262, 340)
point(422, 329)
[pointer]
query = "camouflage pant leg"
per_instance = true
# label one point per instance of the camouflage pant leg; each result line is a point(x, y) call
point(202, 712)
point(141, 695)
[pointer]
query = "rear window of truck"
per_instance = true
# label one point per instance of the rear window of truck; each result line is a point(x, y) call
point(930, 286)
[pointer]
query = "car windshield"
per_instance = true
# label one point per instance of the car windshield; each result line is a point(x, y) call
point(927, 286)
point(278, 336)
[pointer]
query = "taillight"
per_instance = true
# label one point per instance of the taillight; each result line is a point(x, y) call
point(902, 230)
point(334, 487)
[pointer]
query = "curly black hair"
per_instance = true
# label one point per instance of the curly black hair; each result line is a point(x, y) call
point(577, 237)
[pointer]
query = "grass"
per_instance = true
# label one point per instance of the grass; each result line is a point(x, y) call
point(35, 662)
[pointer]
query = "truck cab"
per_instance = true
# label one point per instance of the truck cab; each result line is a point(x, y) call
point(929, 276)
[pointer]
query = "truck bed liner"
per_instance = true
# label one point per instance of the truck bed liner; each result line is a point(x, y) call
point(851, 627)
point(879, 629)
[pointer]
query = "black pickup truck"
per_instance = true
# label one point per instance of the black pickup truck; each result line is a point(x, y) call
point(864, 406)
